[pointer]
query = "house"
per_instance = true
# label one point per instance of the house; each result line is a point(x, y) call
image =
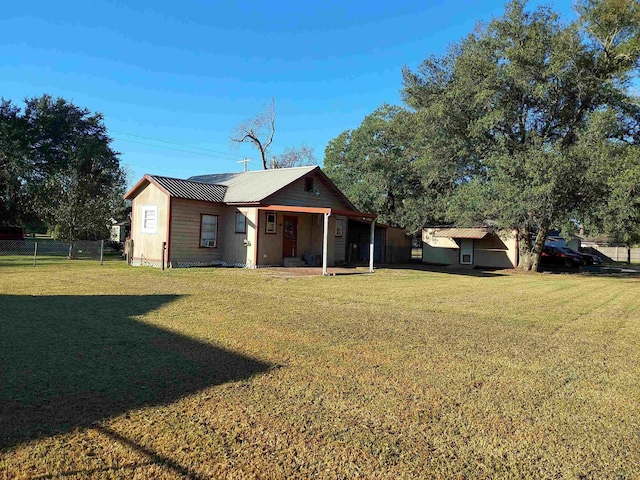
point(470, 247)
point(119, 229)
point(289, 216)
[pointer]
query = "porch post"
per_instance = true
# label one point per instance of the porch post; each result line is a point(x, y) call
point(325, 243)
point(372, 244)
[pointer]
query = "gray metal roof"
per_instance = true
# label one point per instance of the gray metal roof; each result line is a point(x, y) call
point(191, 190)
point(254, 186)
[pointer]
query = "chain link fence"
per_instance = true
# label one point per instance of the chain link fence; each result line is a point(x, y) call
point(40, 248)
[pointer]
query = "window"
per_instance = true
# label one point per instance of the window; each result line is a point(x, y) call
point(270, 226)
point(209, 231)
point(241, 222)
point(308, 184)
point(339, 227)
point(149, 219)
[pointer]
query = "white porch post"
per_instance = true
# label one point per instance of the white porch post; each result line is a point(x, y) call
point(372, 244)
point(325, 243)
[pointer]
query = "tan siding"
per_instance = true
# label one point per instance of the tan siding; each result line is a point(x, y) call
point(235, 250)
point(497, 250)
point(294, 194)
point(185, 231)
point(309, 238)
point(269, 244)
point(149, 245)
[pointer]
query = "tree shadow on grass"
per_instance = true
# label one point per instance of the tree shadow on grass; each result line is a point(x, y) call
point(71, 361)
point(451, 270)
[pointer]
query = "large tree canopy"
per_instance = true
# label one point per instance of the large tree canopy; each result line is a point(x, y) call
point(56, 161)
point(530, 119)
point(378, 167)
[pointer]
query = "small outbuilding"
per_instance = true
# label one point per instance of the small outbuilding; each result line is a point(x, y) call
point(470, 247)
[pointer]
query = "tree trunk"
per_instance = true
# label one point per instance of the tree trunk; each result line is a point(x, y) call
point(538, 246)
point(524, 249)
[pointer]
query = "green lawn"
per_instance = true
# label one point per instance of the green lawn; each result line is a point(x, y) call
point(125, 372)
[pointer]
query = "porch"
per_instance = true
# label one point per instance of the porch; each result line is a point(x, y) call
point(313, 236)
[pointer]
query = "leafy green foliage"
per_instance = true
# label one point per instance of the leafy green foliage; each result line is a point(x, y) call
point(380, 168)
point(56, 162)
point(514, 107)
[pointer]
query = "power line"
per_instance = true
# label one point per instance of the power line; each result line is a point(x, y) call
point(175, 143)
point(174, 149)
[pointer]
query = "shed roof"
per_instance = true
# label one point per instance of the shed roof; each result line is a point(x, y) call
point(254, 186)
point(475, 233)
point(189, 189)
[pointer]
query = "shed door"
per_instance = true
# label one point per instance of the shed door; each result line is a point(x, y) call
point(289, 236)
point(466, 251)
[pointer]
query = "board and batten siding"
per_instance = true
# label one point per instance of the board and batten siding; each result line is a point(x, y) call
point(295, 195)
point(147, 247)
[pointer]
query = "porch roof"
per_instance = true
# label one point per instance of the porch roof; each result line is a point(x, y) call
point(327, 210)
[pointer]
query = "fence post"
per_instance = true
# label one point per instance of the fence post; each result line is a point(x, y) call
point(101, 251)
point(35, 253)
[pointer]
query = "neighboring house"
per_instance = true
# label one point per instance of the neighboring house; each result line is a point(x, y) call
point(289, 216)
point(119, 229)
point(470, 247)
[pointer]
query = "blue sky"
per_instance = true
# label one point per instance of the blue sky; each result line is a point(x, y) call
point(187, 72)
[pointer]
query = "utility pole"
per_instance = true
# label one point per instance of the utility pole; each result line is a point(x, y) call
point(244, 162)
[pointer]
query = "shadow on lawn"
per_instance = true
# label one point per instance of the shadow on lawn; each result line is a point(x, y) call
point(425, 267)
point(71, 361)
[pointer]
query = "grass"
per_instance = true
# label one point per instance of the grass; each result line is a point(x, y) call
point(126, 372)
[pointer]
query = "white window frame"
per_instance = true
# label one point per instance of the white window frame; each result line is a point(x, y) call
point(244, 222)
point(267, 222)
point(204, 242)
point(339, 227)
point(146, 228)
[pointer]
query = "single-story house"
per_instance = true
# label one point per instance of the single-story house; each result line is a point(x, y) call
point(470, 247)
point(289, 216)
point(119, 229)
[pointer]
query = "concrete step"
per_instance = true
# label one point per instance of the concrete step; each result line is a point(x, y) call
point(294, 262)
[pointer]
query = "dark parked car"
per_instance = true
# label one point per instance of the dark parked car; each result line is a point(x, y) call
point(554, 256)
point(588, 258)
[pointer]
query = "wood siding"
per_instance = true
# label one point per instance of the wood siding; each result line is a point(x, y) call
point(149, 245)
point(340, 243)
point(397, 237)
point(238, 248)
point(295, 195)
point(309, 239)
point(185, 231)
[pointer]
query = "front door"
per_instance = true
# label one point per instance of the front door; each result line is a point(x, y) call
point(466, 251)
point(289, 237)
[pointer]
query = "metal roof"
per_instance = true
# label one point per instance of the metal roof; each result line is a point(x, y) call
point(190, 189)
point(254, 186)
point(475, 233)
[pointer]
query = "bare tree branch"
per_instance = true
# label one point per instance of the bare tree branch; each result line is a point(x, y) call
point(258, 130)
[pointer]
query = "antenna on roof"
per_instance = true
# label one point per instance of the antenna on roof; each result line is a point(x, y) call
point(244, 161)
